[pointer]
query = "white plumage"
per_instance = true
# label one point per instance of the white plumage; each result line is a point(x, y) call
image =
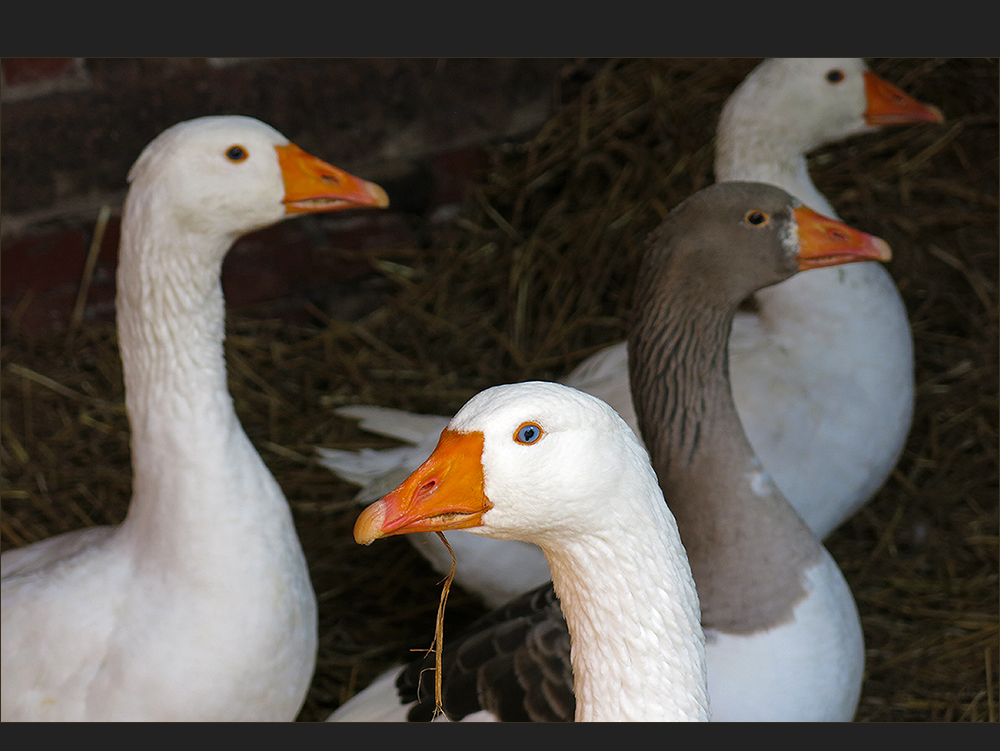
point(579, 484)
point(199, 605)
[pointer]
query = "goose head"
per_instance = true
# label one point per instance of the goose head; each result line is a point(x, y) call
point(529, 461)
point(731, 239)
point(807, 102)
point(225, 176)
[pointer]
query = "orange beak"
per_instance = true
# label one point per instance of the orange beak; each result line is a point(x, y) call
point(887, 105)
point(313, 185)
point(445, 492)
point(827, 242)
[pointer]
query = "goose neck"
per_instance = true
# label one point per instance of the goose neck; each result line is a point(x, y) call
point(746, 545)
point(637, 645)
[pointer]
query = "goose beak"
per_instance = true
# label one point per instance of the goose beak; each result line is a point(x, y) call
point(888, 105)
point(313, 185)
point(827, 242)
point(445, 492)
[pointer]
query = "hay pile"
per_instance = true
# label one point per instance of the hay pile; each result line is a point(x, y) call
point(533, 275)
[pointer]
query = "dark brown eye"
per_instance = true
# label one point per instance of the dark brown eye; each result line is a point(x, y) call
point(528, 433)
point(835, 75)
point(757, 218)
point(236, 153)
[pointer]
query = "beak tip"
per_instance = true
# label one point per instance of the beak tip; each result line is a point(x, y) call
point(379, 194)
point(883, 249)
point(368, 527)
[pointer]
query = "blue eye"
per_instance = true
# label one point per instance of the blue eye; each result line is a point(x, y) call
point(528, 433)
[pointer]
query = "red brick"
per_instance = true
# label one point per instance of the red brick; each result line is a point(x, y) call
point(23, 70)
point(40, 262)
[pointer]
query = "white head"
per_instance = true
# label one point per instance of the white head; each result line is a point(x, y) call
point(230, 175)
point(812, 101)
point(527, 461)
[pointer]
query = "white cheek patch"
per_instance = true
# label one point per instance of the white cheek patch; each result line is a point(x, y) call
point(790, 240)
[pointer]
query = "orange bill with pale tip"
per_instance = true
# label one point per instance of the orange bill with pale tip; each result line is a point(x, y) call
point(827, 242)
point(445, 492)
point(888, 105)
point(313, 185)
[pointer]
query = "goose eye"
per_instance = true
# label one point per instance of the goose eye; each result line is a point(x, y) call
point(835, 75)
point(528, 434)
point(236, 153)
point(757, 218)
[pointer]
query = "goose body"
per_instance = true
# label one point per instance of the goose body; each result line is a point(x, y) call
point(548, 464)
point(783, 638)
point(822, 366)
point(198, 606)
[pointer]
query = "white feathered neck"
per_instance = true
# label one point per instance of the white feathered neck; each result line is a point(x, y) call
point(195, 470)
point(783, 110)
point(617, 561)
point(633, 618)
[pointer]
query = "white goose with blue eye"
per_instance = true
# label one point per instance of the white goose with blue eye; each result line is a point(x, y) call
point(198, 606)
point(545, 463)
point(822, 364)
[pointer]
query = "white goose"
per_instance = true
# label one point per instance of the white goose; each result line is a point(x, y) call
point(822, 367)
point(783, 637)
point(199, 605)
point(546, 463)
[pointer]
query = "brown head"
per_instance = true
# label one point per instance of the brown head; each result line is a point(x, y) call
point(731, 239)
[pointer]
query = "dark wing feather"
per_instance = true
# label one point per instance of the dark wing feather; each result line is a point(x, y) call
point(513, 662)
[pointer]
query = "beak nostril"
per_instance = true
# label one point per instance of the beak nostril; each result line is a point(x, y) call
point(426, 489)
